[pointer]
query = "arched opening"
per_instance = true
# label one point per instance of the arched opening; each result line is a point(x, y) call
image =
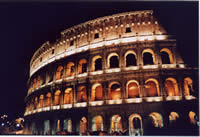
point(34, 82)
point(41, 100)
point(83, 125)
point(82, 94)
point(171, 87)
point(47, 127)
point(31, 104)
point(113, 60)
point(70, 69)
point(188, 87)
point(68, 97)
point(35, 103)
point(173, 117)
point(130, 59)
point(157, 119)
point(57, 97)
point(133, 89)
point(49, 77)
point(152, 88)
point(67, 125)
point(38, 81)
point(192, 118)
point(148, 57)
point(166, 56)
point(114, 91)
point(97, 63)
point(59, 72)
point(97, 123)
point(82, 66)
point(135, 125)
point(97, 92)
point(116, 123)
point(48, 100)
point(31, 87)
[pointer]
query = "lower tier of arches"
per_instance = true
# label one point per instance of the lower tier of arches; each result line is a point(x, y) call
point(174, 118)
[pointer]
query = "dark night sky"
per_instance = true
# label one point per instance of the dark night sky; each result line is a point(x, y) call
point(24, 27)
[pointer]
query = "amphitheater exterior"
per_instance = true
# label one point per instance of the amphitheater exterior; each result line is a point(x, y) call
point(115, 73)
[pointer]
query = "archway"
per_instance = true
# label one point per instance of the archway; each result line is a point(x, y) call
point(188, 86)
point(83, 125)
point(48, 100)
point(67, 125)
point(113, 60)
point(59, 72)
point(130, 58)
point(192, 116)
point(152, 88)
point(68, 96)
point(166, 56)
point(82, 94)
point(70, 69)
point(35, 102)
point(97, 92)
point(82, 66)
point(116, 123)
point(97, 123)
point(171, 87)
point(135, 125)
point(96, 63)
point(157, 119)
point(41, 100)
point(133, 89)
point(114, 91)
point(148, 57)
point(57, 97)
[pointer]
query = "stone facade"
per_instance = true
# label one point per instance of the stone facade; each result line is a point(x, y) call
point(122, 68)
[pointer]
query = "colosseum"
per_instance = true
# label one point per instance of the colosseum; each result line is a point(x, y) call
point(115, 73)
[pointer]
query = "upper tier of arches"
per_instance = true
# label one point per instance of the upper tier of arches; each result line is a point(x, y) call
point(118, 28)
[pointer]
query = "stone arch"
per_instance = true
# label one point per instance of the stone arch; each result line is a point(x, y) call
point(48, 100)
point(148, 57)
point(130, 58)
point(133, 89)
point(166, 56)
point(114, 90)
point(152, 88)
point(82, 66)
point(35, 102)
point(67, 125)
point(41, 101)
point(82, 94)
point(157, 119)
point(113, 60)
point(59, 72)
point(57, 97)
point(171, 87)
point(68, 96)
point(38, 81)
point(135, 124)
point(70, 69)
point(188, 86)
point(83, 125)
point(97, 92)
point(34, 83)
point(116, 123)
point(96, 63)
point(192, 116)
point(97, 123)
point(173, 116)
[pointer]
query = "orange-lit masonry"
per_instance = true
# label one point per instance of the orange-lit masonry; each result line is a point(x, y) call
point(108, 74)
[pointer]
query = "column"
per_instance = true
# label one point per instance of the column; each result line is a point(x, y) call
point(142, 87)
